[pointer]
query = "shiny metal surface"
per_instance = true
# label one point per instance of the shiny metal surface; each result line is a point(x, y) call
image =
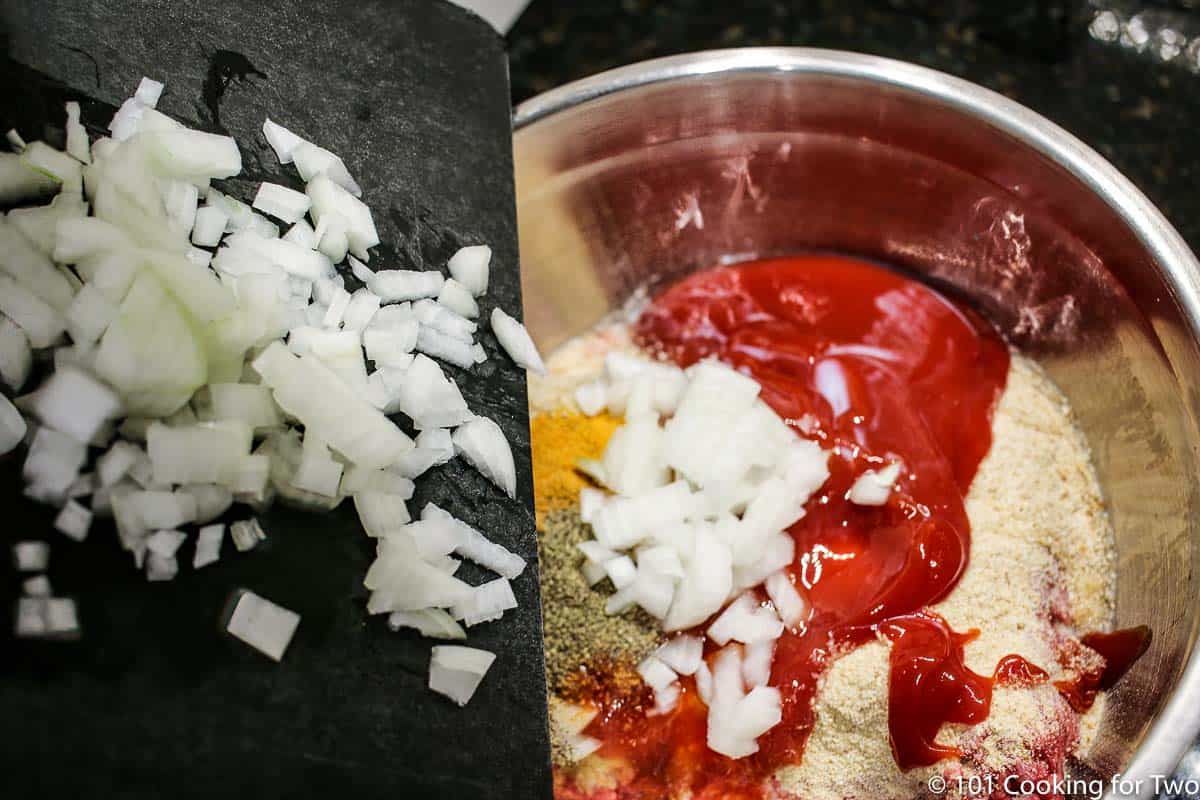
point(643, 174)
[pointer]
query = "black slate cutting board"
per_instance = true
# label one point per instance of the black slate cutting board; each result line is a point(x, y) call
point(155, 700)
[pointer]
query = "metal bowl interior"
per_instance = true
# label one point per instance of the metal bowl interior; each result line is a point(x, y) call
point(639, 176)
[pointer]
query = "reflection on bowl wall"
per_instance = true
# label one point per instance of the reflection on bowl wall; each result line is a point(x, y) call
point(638, 176)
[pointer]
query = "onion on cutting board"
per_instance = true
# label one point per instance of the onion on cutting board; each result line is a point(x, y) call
point(190, 343)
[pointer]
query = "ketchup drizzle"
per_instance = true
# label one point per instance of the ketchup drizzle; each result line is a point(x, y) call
point(876, 367)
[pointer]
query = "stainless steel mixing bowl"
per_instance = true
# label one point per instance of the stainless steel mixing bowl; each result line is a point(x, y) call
point(643, 174)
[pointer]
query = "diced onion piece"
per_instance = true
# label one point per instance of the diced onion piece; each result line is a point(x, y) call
point(516, 341)
point(873, 487)
point(458, 299)
point(756, 665)
point(54, 164)
point(312, 161)
point(148, 91)
point(209, 226)
point(282, 140)
point(595, 552)
point(74, 521)
point(429, 398)
point(306, 389)
point(263, 625)
point(469, 266)
point(31, 556)
point(483, 445)
point(361, 270)
point(77, 138)
point(21, 183)
point(75, 403)
point(53, 462)
point(16, 358)
point(362, 307)
point(245, 402)
point(189, 154)
point(656, 673)
point(591, 397)
point(745, 621)
point(449, 349)
point(330, 198)
point(683, 653)
point(486, 603)
point(592, 573)
point(208, 545)
point(792, 607)
point(159, 567)
point(212, 500)
point(181, 200)
point(117, 461)
point(705, 586)
point(207, 452)
point(246, 534)
point(621, 571)
point(41, 323)
point(166, 543)
point(15, 140)
point(396, 285)
point(12, 426)
point(163, 509)
point(479, 548)
point(435, 623)
point(37, 586)
point(456, 671)
point(281, 202)
point(380, 512)
point(302, 234)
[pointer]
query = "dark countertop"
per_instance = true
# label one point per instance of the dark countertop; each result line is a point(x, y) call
point(1135, 107)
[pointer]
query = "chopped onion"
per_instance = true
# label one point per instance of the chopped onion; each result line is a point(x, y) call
point(312, 161)
point(12, 426)
point(208, 545)
point(37, 586)
point(251, 404)
point(75, 403)
point(485, 603)
point(207, 452)
point(163, 509)
point(148, 91)
point(656, 674)
point(53, 462)
point(380, 512)
point(396, 285)
point(458, 299)
point(74, 521)
point(330, 198)
point(246, 534)
point(479, 548)
point(165, 544)
point(456, 671)
point(209, 225)
point(449, 349)
point(263, 625)
point(516, 342)
point(14, 139)
point(591, 397)
point(621, 571)
point(15, 355)
point(469, 266)
point(281, 202)
point(873, 487)
point(705, 585)
point(792, 607)
point(282, 141)
point(745, 621)
point(483, 445)
point(432, 622)
point(41, 323)
point(683, 653)
point(756, 663)
point(159, 567)
point(429, 398)
point(302, 234)
point(362, 307)
point(31, 556)
point(211, 499)
point(77, 138)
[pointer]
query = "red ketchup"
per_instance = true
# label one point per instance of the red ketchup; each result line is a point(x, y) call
point(876, 367)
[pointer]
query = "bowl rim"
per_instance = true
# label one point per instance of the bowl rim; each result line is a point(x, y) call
point(1175, 729)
